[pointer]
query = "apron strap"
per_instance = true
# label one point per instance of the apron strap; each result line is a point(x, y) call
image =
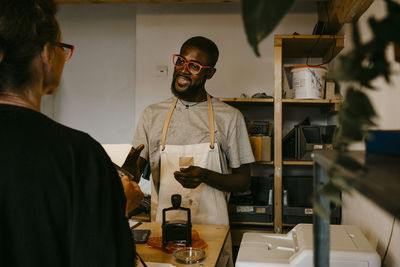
point(210, 117)
point(211, 121)
point(166, 123)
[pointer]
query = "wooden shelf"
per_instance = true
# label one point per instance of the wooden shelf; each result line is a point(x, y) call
point(247, 100)
point(332, 104)
point(264, 162)
point(297, 162)
point(312, 101)
point(312, 46)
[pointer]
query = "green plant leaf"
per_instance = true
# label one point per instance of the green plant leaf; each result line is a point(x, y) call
point(356, 115)
point(356, 36)
point(390, 24)
point(260, 17)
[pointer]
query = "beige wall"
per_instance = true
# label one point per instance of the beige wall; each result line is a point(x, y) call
point(96, 94)
point(162, 28)
point(375, 222)
point(112, 75)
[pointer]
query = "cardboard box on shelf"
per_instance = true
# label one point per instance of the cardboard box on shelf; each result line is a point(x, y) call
point(261, 146)
point(330, 90)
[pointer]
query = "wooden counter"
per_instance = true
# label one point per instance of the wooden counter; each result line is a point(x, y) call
point(213, 235)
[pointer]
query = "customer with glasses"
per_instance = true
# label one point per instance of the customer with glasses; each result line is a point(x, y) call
point(61, 199)
point(192, 140)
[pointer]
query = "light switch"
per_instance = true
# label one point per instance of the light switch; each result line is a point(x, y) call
point(161, 71)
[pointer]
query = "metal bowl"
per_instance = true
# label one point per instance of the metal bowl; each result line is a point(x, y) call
point(189, 255)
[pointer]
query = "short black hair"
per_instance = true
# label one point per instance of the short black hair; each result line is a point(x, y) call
point(25, 27)
point(206, 45)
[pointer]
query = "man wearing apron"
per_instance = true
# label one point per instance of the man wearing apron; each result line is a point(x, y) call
point(191, 140)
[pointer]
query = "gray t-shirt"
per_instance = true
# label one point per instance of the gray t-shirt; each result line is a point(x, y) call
point(191, 126)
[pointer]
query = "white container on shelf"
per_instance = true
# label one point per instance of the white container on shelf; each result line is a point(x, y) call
point(309, 81)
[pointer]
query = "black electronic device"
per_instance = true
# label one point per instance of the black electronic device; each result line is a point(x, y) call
point(178, 231)
point(140, 236)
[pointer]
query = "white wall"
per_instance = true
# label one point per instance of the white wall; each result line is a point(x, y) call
point(112, 75)
point(358, 210)
point(162, 28)
point(97, 89)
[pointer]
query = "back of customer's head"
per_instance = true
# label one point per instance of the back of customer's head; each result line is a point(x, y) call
point(25, 27)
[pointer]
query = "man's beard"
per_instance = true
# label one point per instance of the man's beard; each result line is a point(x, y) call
point(190, 91)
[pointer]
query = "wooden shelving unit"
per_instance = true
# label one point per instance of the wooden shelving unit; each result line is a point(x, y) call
point(325, 47)
point(296, 46)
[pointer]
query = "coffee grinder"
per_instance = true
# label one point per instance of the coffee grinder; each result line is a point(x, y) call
point(179, 231)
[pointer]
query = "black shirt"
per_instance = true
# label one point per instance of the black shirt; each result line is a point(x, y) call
point(61, 200)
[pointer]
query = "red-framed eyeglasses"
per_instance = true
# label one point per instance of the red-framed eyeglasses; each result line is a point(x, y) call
point(68, 49)
point(192, 66)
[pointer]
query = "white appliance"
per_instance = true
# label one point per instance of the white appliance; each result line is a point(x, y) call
point(348, 248)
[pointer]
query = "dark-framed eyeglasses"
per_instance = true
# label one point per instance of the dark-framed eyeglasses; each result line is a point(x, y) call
point(68, 49)
point(193, 67)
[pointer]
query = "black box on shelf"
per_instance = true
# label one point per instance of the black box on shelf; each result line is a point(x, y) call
point(254, 205)
point(299, 143)
point(289, 146)
point(297, 207)
point(289, 141)
point(311, 137)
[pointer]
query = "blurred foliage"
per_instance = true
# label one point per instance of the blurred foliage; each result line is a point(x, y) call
point(260, 17)
point(359, 67)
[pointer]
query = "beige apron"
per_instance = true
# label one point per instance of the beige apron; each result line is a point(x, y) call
point(207, 204)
